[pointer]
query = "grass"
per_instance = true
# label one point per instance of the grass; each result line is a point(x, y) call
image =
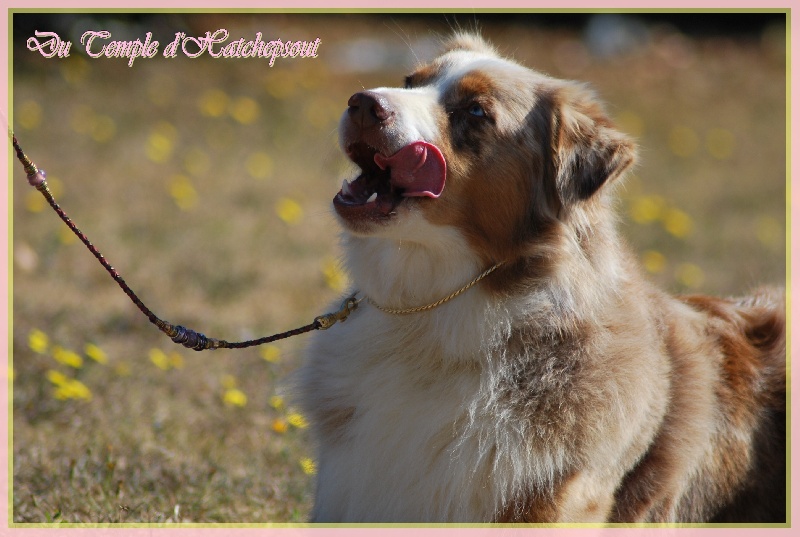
point(207, 183)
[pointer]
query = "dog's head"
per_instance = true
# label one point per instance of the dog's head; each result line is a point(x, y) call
point(479, 143)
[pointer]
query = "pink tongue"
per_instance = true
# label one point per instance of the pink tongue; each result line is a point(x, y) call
point(418, 168)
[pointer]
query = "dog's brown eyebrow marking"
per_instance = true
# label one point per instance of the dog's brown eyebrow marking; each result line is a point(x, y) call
point(475, 83)
point(422, 76)
point(473, 87)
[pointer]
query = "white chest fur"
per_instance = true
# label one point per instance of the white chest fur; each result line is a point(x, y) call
point(391, 396)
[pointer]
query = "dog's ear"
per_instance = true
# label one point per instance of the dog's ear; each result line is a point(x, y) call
point(587, 151)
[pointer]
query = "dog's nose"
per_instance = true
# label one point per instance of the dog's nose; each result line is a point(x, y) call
point(367, 108)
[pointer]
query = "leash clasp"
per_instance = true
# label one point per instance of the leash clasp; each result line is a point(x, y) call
point(330, 319)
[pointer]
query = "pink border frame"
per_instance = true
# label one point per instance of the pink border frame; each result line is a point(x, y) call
point(793, 205)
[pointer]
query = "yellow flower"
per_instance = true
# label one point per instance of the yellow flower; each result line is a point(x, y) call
point(289, 211)
point(276, 402)
point(213, 103)
point(38, 341)
point(183, 192)
point(244, 110)
point(74, 389)
point(279, 426)
point(690, 275)
point(29, 115)
point(161, 142)
point(309, 467)
point(335, 277)
point(297, 420)
point(96, 353)
point(647, 209)
point(57, 377)
point(34, 202)
point(67, 357)
point(677, 223)
point(66, 236)
point(67, 388)
point(159, 359)
point(259, 165)
point(165, 362)
point(271, 353)
point(234, 397)
point(653, 261)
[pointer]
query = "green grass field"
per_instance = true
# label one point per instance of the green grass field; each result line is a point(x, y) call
point(206, 183)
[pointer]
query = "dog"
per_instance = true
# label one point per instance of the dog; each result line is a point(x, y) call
point(558, 386)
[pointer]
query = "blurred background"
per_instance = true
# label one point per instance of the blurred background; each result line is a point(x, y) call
point(207, 183)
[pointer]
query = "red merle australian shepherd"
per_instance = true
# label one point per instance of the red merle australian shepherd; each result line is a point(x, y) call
point(560, 386)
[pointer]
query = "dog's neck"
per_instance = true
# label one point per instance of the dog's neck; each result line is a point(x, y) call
point(410, 273)
point(407, 274)
point(403, 273)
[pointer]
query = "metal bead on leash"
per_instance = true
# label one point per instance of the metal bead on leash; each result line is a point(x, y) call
point(191, 339)
point(36, 177)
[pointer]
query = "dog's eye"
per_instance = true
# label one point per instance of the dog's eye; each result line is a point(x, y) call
point(407, 82)
point(476, 110)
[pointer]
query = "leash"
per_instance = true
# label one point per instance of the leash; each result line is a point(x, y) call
point(187, 337)
point(192, 339)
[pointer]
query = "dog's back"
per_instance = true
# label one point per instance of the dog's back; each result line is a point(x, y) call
point(741, 477)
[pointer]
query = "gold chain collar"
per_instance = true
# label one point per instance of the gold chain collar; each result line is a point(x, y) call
point(432, 305)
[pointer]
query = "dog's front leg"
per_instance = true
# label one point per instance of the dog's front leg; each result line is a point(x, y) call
point(585, 496)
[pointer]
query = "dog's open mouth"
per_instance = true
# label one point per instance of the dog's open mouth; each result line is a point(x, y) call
point(416, 170)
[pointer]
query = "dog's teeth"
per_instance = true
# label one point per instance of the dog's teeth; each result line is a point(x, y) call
point(373, 197)
point(346, 188)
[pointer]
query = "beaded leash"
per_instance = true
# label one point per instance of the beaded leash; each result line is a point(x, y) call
point(179, 334)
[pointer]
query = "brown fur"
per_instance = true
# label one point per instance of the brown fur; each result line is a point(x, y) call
point(718, 455)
